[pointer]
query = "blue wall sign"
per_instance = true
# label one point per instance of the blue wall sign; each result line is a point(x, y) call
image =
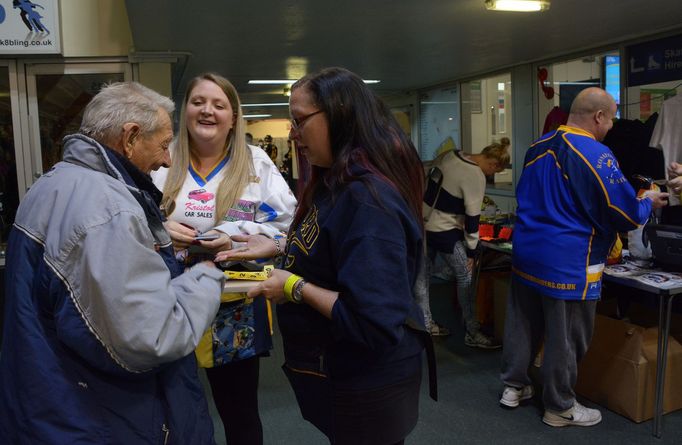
point(655, 61)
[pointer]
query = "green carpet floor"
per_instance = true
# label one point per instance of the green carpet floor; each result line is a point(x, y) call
point(467, 412)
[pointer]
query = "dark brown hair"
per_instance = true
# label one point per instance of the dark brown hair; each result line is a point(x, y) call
point(362, 130)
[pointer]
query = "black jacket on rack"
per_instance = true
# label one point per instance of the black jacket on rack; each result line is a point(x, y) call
point(629, 142)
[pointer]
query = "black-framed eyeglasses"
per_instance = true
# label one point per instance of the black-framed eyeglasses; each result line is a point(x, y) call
point(297, 123)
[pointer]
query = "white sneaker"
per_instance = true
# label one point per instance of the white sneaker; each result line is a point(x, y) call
point(479, 340)
point(512, 396)
point(577, 416)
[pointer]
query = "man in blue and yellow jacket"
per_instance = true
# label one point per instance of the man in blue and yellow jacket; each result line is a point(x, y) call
point(572, 200)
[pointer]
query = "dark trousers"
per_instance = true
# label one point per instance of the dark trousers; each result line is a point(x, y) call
point(382, 416)
point(566, 327)
point(235, 392)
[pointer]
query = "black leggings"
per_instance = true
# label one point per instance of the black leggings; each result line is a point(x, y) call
point(235, 392)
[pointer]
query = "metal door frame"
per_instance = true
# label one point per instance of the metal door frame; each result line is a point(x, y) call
point(14, 95)
point(27, 71)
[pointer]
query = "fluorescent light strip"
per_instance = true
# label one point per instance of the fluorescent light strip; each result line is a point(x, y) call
point(559, 82)
point(291, 82)
point(277, 104)
point(517, 5)
point(271, 82)
point(256, 116)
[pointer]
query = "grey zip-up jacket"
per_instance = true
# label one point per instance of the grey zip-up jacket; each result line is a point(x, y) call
point(99, 338)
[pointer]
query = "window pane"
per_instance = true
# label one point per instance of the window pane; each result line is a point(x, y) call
point(645, 100)
point(487, 118)
point(439, 122)
point(61, 101)
point(564, 80)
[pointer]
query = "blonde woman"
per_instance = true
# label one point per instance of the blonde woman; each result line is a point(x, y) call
point(218, 185)
point(452, 205)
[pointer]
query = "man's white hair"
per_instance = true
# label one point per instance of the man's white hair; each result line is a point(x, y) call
point(121, 102)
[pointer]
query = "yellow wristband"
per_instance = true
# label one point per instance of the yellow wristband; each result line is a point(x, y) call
point(289, 286)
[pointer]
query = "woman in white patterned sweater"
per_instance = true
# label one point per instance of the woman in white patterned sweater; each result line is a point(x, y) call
point(452, 210)
point(218, 184)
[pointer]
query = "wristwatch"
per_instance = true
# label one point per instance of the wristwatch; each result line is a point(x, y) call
point(297, 293)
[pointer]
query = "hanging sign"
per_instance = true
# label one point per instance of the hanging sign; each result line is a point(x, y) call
point(29, 27)
point(655, 61)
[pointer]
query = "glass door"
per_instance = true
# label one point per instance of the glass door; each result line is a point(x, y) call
point(11, 161)
point(57, 96)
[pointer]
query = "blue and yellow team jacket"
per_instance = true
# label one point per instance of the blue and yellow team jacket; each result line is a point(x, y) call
point(572, 199)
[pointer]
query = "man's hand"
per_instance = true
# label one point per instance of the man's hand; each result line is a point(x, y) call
point(658, 199)
point(181, 234)
point(675, 175)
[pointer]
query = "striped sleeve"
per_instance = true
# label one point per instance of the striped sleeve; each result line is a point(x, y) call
point(473, 192)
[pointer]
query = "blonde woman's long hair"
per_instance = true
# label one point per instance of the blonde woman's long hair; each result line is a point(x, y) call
point(239, 169)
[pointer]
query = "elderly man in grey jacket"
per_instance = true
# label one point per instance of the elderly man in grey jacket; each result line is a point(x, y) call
point(100, 322)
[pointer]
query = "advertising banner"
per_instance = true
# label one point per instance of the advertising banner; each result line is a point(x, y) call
point(29, 27)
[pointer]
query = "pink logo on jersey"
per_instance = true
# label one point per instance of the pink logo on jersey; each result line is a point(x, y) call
point(201, 195)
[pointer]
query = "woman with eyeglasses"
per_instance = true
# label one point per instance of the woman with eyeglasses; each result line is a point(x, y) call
point(220, 186)
point(353, 335)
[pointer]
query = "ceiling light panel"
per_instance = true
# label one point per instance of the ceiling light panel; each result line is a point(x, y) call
point(517, 5)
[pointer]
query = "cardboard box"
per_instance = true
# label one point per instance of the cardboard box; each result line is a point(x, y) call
point(501, 284)
point(619, 369)
point(490, 283)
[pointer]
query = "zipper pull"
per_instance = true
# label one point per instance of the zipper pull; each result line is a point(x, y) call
point(166, 433)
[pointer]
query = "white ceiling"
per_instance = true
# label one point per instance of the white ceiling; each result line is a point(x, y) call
point(405, 44)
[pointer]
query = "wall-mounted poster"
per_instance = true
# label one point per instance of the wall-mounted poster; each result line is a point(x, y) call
point(29, 27)
point(439, 122)
point(651, 100)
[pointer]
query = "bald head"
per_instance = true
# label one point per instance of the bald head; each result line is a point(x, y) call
point(593, 110)
point(590, 100)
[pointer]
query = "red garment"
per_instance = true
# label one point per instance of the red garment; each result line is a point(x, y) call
point(555, 118)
